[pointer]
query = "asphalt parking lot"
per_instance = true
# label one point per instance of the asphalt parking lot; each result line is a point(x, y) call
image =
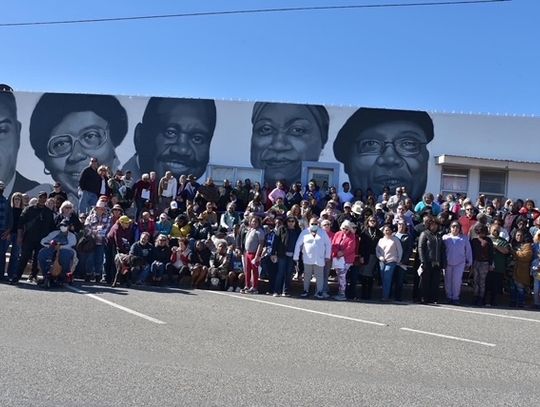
point(92, 345)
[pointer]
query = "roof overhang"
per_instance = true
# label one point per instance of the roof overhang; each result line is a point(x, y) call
point(487, 163)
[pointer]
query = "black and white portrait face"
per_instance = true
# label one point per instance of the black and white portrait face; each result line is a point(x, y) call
point(175, 136)
point(386, 148)
point(66, 130)
point(10, 130)
point(284, 135)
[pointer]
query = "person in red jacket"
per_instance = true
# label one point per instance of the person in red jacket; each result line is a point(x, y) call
point(344, 248)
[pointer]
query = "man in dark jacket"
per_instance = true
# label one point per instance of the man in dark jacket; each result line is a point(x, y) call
point(143, 249)
point(35, 223)
point(432, 254)
point(89, 185)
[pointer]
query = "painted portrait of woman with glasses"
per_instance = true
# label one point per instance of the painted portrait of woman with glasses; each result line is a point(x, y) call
point(386, 148)
point(67, 129)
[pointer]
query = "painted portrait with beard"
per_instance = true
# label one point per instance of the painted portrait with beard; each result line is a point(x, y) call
point(386, 148)
point(284, 135)
point(174, 135)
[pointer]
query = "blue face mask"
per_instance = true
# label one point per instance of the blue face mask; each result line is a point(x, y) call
point(313, 228)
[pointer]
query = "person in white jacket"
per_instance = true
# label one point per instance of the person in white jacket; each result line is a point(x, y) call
point(316, 250)
point(62, 241)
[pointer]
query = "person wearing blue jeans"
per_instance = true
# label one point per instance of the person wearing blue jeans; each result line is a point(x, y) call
point(389, 253)
point(46, 259)
point(87, 199)
point(89, 186)
point(284, 275)
point(94, 264)
point(387, 274)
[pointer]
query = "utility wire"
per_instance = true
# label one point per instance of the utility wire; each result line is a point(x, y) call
point(252, 11)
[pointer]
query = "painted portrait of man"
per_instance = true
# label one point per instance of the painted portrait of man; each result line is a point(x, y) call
point(174, 135)
point(10, 140)
point(386, 148)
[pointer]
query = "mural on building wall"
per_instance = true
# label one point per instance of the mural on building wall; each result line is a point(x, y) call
point(66, 130)
point(383, 147)
point(50, 137)
point(174, 135)
point(284, 135)
point(377, 147)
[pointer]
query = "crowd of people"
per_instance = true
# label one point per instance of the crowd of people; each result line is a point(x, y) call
point(230, 237)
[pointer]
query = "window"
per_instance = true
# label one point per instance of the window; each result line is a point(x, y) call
point(454, 181)
point(221, 172)
point(493, 184)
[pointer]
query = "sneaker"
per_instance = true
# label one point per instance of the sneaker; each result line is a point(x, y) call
point(319, 296)
point(238, 290)
point(325, 295)
point(285, 295)
point(244, 290)
point(230, 289)
point(252, 291)
point(275, 295)
point(340, 297)
point(304, 294)
point(31, 280)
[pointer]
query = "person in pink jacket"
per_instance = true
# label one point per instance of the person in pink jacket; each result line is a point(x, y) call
point(344, 245)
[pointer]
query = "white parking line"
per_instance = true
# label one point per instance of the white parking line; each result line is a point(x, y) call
point(112, 304)
point(247, 298)
point(448, 337)
point(491, 314)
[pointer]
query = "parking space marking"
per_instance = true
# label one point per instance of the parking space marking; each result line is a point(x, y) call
point(112, 304)
point(491, 314)
point(247, 298)
point(456, 338)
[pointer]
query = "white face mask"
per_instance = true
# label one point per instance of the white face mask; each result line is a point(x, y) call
point(313, 228)
point(63, 229)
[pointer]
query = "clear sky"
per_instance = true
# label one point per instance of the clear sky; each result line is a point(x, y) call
point(469, 58)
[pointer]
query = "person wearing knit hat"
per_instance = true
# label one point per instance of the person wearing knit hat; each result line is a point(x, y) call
point(284, 135)
point(386, 148)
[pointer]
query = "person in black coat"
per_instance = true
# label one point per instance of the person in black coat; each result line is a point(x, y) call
point(35, 223)
point(432, 254)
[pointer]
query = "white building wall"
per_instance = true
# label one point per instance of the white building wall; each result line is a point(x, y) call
point(484, 136)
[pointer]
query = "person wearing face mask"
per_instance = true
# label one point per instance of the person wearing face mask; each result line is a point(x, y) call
point(57, 243)
point(316, 250)
point(6, 219)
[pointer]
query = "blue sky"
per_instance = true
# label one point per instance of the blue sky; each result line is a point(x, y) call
point(473, 58)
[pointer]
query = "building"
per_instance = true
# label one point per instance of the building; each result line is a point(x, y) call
point(263, 141)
